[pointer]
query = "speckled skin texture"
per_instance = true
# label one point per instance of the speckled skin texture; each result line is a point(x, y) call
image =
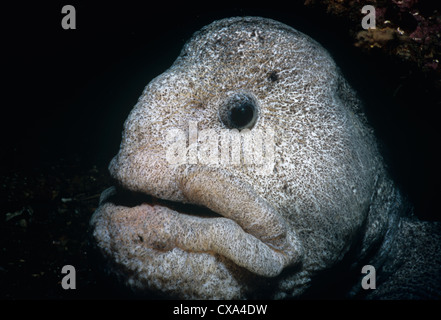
point(326, 204)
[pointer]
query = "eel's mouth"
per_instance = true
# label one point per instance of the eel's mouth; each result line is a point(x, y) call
point(196, 209)
point(127, 198)
point(162, 225)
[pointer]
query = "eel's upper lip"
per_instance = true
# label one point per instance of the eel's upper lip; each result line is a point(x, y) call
point(191, 228)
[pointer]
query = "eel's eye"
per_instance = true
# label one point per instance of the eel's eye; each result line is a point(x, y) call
point(242, 114)
point(239, 111)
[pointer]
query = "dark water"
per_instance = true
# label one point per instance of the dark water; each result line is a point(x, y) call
point(68, 92)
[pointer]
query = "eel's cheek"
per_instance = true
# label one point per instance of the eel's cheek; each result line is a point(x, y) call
point(159, 228)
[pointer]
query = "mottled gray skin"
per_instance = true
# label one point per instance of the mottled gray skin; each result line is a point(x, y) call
point(327, 208)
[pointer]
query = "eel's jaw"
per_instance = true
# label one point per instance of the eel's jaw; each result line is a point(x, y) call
point(166, 245)
point(252, 233)
point(163, 229)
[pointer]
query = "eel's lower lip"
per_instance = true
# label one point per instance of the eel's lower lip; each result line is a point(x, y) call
point(163, 225)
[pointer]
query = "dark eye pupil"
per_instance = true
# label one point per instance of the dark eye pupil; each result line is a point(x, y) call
point(239, 111)
point(242, 114)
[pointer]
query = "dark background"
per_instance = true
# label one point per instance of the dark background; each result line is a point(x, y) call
point(68, 92)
